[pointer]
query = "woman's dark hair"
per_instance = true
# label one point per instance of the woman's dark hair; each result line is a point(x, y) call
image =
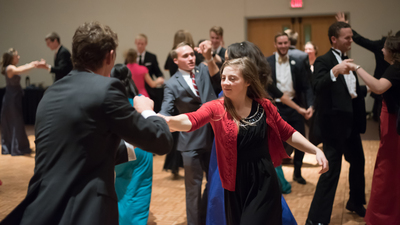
point(131, 56)
point(123, 73)
point(392, 44)
point(7, 59)
point(91, 44)
point(250, 74)
point(251, 51)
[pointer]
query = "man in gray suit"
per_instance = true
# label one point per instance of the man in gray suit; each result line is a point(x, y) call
point(187, 90)
point(296, 53)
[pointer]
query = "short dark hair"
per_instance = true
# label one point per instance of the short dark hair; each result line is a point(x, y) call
point(131, 56)
point(53, 36)
point(252, 52)
point(280, 34)
point(392, 44)
point(90, 45)
point(217, 30)
point(334, 29)
point(7, 59)
point(174, 54)
point(293, 36)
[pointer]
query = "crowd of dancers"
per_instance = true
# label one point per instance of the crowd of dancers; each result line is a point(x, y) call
point(234, 114)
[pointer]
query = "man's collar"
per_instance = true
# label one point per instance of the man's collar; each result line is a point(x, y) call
point(183, 72)
point(217, 50)
point(338, 52)
point(56, 50)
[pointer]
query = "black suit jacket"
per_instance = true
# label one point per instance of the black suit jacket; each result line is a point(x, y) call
point(304, 94)
point(376, 48)
point(62, 63)
point(156, 94)
point(337, 113)
point(179, 98)
point(79, 124)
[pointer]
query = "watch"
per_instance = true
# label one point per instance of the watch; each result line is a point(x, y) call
point(358, 67)
point(207, 61)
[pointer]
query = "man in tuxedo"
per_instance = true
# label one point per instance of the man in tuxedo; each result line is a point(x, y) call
point(62, 57)
point(186, 91)
point(289, 76)
point(217, 39)
point(79, 124)
point(341, 118)
point(149, 60)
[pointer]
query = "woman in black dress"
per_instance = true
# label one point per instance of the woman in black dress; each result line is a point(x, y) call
point(248, 137)
point(13, 137)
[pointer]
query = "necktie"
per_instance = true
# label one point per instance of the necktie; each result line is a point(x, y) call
point(140, 60)
point(282, 59)
point(340, 54)
point(194, 84)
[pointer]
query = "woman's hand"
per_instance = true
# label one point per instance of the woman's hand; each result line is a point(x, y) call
point(322, 161)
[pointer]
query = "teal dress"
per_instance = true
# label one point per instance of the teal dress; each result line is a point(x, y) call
point(133, 185)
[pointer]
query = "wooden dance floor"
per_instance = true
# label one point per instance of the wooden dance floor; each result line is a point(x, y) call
point(168, 195)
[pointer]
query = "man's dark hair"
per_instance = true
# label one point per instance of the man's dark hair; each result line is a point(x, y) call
point(397, 34)
point(334, 29)
point(90, 45)
point(53, 36)
point(279, 35)
point(174, 54)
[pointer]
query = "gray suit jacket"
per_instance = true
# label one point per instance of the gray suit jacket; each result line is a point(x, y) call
point(179, 96)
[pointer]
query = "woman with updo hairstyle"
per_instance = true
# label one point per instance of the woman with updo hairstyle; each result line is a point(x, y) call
point(13, 137)
point(384, 203)
point(248, 138)
point(133, 179)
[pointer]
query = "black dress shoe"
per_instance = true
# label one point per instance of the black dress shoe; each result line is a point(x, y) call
point(309, 222)
point(360, 210)
point(299, 179)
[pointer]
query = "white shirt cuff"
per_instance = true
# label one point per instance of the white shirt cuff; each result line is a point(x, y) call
point(131, 151)
point(333, 78)
point(147, 113)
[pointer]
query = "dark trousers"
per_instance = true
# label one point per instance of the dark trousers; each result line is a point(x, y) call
point(195, 163)
point(294, 119)
point(334, 149)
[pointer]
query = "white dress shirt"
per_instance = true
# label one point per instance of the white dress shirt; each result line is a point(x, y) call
point(284, 81)
point(138, 57)
point(350, 78)
point(188, 80)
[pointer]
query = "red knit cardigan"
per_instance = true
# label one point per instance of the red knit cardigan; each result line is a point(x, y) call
point(226, 131)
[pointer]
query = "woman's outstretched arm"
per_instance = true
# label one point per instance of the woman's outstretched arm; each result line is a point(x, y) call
point(300, 142)
point(178, 123)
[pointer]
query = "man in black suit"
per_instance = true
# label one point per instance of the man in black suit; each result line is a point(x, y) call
point(290, 77)
point(79, 124)
point(186, 91)
point(375, 46)
point(62, 57)
point(341, 118)
point(149, 60)
point(217, 39)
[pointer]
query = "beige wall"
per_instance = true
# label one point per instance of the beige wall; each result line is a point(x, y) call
point(25, 23)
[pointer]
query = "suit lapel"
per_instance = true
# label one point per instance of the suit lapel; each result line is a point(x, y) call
point(183, 83)
point(293, 71)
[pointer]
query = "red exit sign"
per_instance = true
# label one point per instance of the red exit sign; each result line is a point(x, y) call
point(296, 3)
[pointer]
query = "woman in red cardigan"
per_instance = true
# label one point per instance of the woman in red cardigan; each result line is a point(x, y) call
point(245, 125)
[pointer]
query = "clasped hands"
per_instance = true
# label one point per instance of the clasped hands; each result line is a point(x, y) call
point(344, 67)
point(39, 64)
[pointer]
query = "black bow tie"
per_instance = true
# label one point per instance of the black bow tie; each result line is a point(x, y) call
point(341, 55)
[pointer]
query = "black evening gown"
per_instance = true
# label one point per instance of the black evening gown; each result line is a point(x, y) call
point(257, 197)
point(13, 137)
